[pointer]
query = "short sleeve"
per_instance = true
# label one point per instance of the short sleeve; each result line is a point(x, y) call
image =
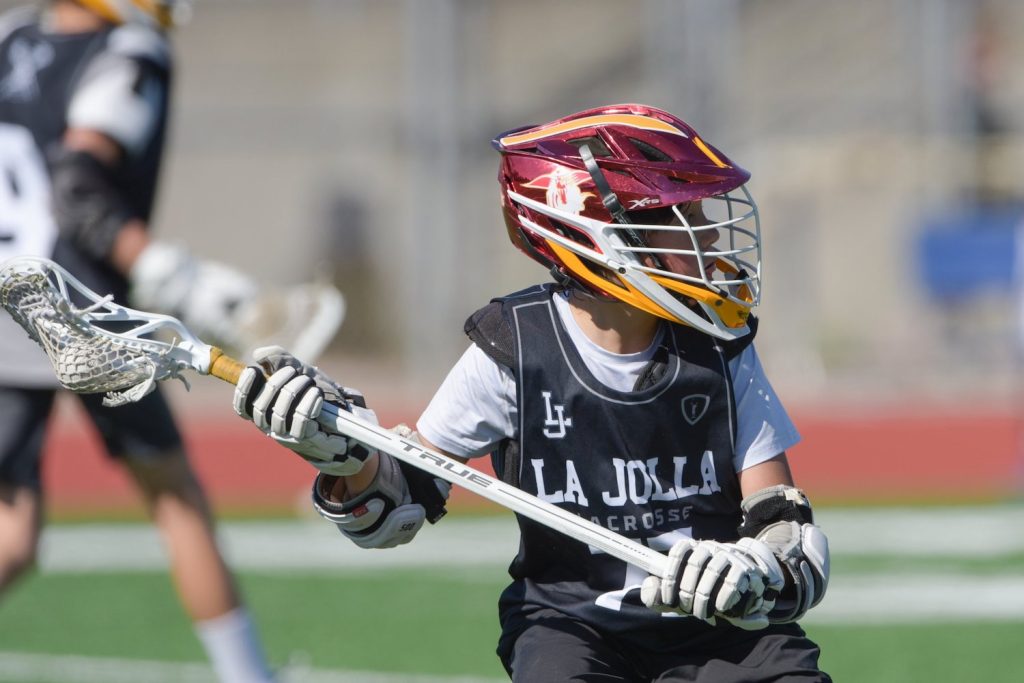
point(764, 429)
point(474, 409)
point(123, 91)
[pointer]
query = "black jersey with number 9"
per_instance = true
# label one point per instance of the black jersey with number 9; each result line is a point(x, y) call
point(114, 81)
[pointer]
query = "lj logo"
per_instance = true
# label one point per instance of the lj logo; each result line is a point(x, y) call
point(555, 420)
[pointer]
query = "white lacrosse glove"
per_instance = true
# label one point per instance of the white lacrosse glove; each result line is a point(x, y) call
point(708, 579)
point(286, 405)
point(226, 307)
point(205, 295)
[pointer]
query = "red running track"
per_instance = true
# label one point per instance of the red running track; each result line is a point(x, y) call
point(942, 455)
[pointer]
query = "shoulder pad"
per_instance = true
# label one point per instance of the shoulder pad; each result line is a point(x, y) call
point(489, 329)
point(16, 19)
point(140, 42)
point(535, 290)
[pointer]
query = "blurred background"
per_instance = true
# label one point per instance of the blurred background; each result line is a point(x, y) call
point(351, 139)
point(354, 136)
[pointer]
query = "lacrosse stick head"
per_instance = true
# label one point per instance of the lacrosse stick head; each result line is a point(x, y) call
point(94, 344)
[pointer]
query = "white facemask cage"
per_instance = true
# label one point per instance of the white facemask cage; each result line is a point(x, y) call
point(738, 244)
point(729, 267)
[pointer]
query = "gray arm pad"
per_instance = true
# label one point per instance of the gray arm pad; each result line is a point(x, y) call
point(382, 516)
point(781, 518)
point(88, 206)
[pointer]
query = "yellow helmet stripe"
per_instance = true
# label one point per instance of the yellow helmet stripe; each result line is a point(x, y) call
point(707, 151)
point(731, 313)
point(104, 10)
point(631, 120)
point(161, 11)
point(623, 291)
point(120, 12)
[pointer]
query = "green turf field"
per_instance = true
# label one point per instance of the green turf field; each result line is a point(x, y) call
point(427, 623)
point(439, 623)
point(404, 621)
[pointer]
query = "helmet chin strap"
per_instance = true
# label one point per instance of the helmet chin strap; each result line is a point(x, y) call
point(562, 279)
point(611, 201)
point(608, 198)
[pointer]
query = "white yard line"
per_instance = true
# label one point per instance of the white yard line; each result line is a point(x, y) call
point(489, 543)
point(314, 545)
point(916, 598)
point(953, 531)
point(33, 668)
point(281, 546)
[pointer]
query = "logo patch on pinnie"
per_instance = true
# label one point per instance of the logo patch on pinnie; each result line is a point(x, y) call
point(694, 407)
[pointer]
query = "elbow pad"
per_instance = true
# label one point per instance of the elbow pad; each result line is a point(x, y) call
point(385, 515)
point(781, 518)
point(88, 205)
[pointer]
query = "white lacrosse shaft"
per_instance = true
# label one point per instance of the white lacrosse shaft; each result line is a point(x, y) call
point(89, 358)
point(495, 490)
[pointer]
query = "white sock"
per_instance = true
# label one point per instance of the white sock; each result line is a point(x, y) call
point(234, 648)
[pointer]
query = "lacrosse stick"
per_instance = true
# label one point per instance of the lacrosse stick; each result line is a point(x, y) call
point(103, 347)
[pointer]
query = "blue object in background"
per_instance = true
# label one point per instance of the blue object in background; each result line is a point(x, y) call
point(969, 251)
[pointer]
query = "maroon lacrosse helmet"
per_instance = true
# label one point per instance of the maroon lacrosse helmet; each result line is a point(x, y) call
point(582, 195)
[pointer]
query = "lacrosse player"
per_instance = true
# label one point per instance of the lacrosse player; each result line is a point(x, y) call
point(627, 392)
point(84, 90)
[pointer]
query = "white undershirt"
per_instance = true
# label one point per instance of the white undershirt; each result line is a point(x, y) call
point(475, 407)
point(616, 370)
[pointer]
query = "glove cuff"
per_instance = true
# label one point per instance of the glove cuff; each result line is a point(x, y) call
point(774, 504)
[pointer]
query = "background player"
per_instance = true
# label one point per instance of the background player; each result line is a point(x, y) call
point(84, 95)
point(629, 393)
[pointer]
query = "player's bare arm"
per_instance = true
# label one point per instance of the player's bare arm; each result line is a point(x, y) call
point(772, 472)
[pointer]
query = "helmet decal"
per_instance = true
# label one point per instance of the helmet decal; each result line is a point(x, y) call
point(642, 203)
point(562, 189)
point(711, 155)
